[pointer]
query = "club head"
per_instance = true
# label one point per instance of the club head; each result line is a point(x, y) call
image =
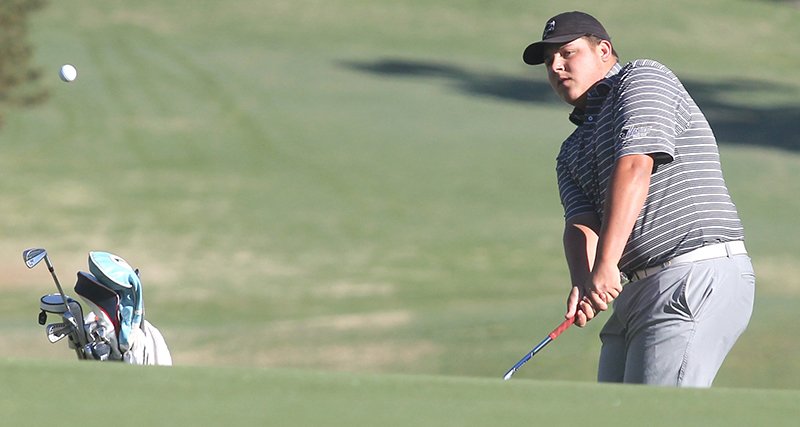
point(57, 331)
point(33, 256)
point(99, 350)
point(99, 333)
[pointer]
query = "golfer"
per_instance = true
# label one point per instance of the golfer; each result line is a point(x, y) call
point(643, 195)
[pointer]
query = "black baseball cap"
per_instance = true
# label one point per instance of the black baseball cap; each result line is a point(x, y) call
point(564, 28)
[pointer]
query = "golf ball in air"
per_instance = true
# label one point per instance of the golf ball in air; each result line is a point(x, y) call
point(68, 73)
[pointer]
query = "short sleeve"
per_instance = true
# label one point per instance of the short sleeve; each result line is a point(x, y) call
point(651, 109)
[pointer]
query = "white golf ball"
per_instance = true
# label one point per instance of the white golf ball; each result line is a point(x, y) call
point(68, 73)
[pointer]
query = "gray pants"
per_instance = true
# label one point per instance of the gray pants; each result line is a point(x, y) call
point(675, 327)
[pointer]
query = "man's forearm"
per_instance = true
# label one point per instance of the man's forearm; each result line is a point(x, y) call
point(627, 192)
point(580, 243)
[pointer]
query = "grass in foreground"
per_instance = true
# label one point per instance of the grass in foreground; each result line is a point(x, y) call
point(89, 394)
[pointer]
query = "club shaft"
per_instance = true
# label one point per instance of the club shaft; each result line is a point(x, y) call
point(550, 337)
point(55, 279)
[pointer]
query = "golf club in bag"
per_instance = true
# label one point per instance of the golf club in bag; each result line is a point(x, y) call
point(114, 327)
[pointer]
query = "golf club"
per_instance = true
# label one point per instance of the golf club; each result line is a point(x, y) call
point(550, 337)
point(57, 331)
point(32, 258)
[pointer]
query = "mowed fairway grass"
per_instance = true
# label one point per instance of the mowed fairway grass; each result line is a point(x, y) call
point(314, 189)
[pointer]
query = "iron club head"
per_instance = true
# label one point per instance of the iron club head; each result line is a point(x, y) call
point(33, 256)
point(57, 331)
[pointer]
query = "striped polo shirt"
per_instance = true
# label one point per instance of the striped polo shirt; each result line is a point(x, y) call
point(642, 108)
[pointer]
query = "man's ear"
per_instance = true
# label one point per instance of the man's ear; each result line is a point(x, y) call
point(605, 50)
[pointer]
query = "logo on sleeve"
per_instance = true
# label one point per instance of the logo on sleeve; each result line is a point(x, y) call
point(635, 132)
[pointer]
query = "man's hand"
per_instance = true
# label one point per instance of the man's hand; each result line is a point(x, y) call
point(585, 302)
point(604, 286)
point(580, 307)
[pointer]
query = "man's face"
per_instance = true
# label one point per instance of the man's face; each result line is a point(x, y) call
point(574, 67)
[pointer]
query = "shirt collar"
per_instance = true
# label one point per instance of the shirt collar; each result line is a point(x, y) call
point(601, 88)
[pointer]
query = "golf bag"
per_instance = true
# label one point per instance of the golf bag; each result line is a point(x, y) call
point(114, 328)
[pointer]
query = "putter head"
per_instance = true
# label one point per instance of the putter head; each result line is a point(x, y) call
point(33, 256)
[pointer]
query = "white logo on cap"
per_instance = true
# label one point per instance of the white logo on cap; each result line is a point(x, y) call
point(549, 28)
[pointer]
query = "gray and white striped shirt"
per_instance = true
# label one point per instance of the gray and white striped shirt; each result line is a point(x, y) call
point(642, 108)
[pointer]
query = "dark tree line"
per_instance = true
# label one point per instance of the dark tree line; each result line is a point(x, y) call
point(19, 78)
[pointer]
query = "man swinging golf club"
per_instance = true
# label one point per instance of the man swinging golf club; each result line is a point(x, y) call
point(643, 194)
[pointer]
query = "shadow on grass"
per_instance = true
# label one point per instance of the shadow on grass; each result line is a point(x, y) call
point(500, 86)
point(769, 126)
point(791, 3)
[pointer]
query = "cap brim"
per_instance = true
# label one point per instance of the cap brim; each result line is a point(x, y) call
point(534, 53)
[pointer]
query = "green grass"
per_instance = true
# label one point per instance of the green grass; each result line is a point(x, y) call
point(237, 396)
point(368, 186)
